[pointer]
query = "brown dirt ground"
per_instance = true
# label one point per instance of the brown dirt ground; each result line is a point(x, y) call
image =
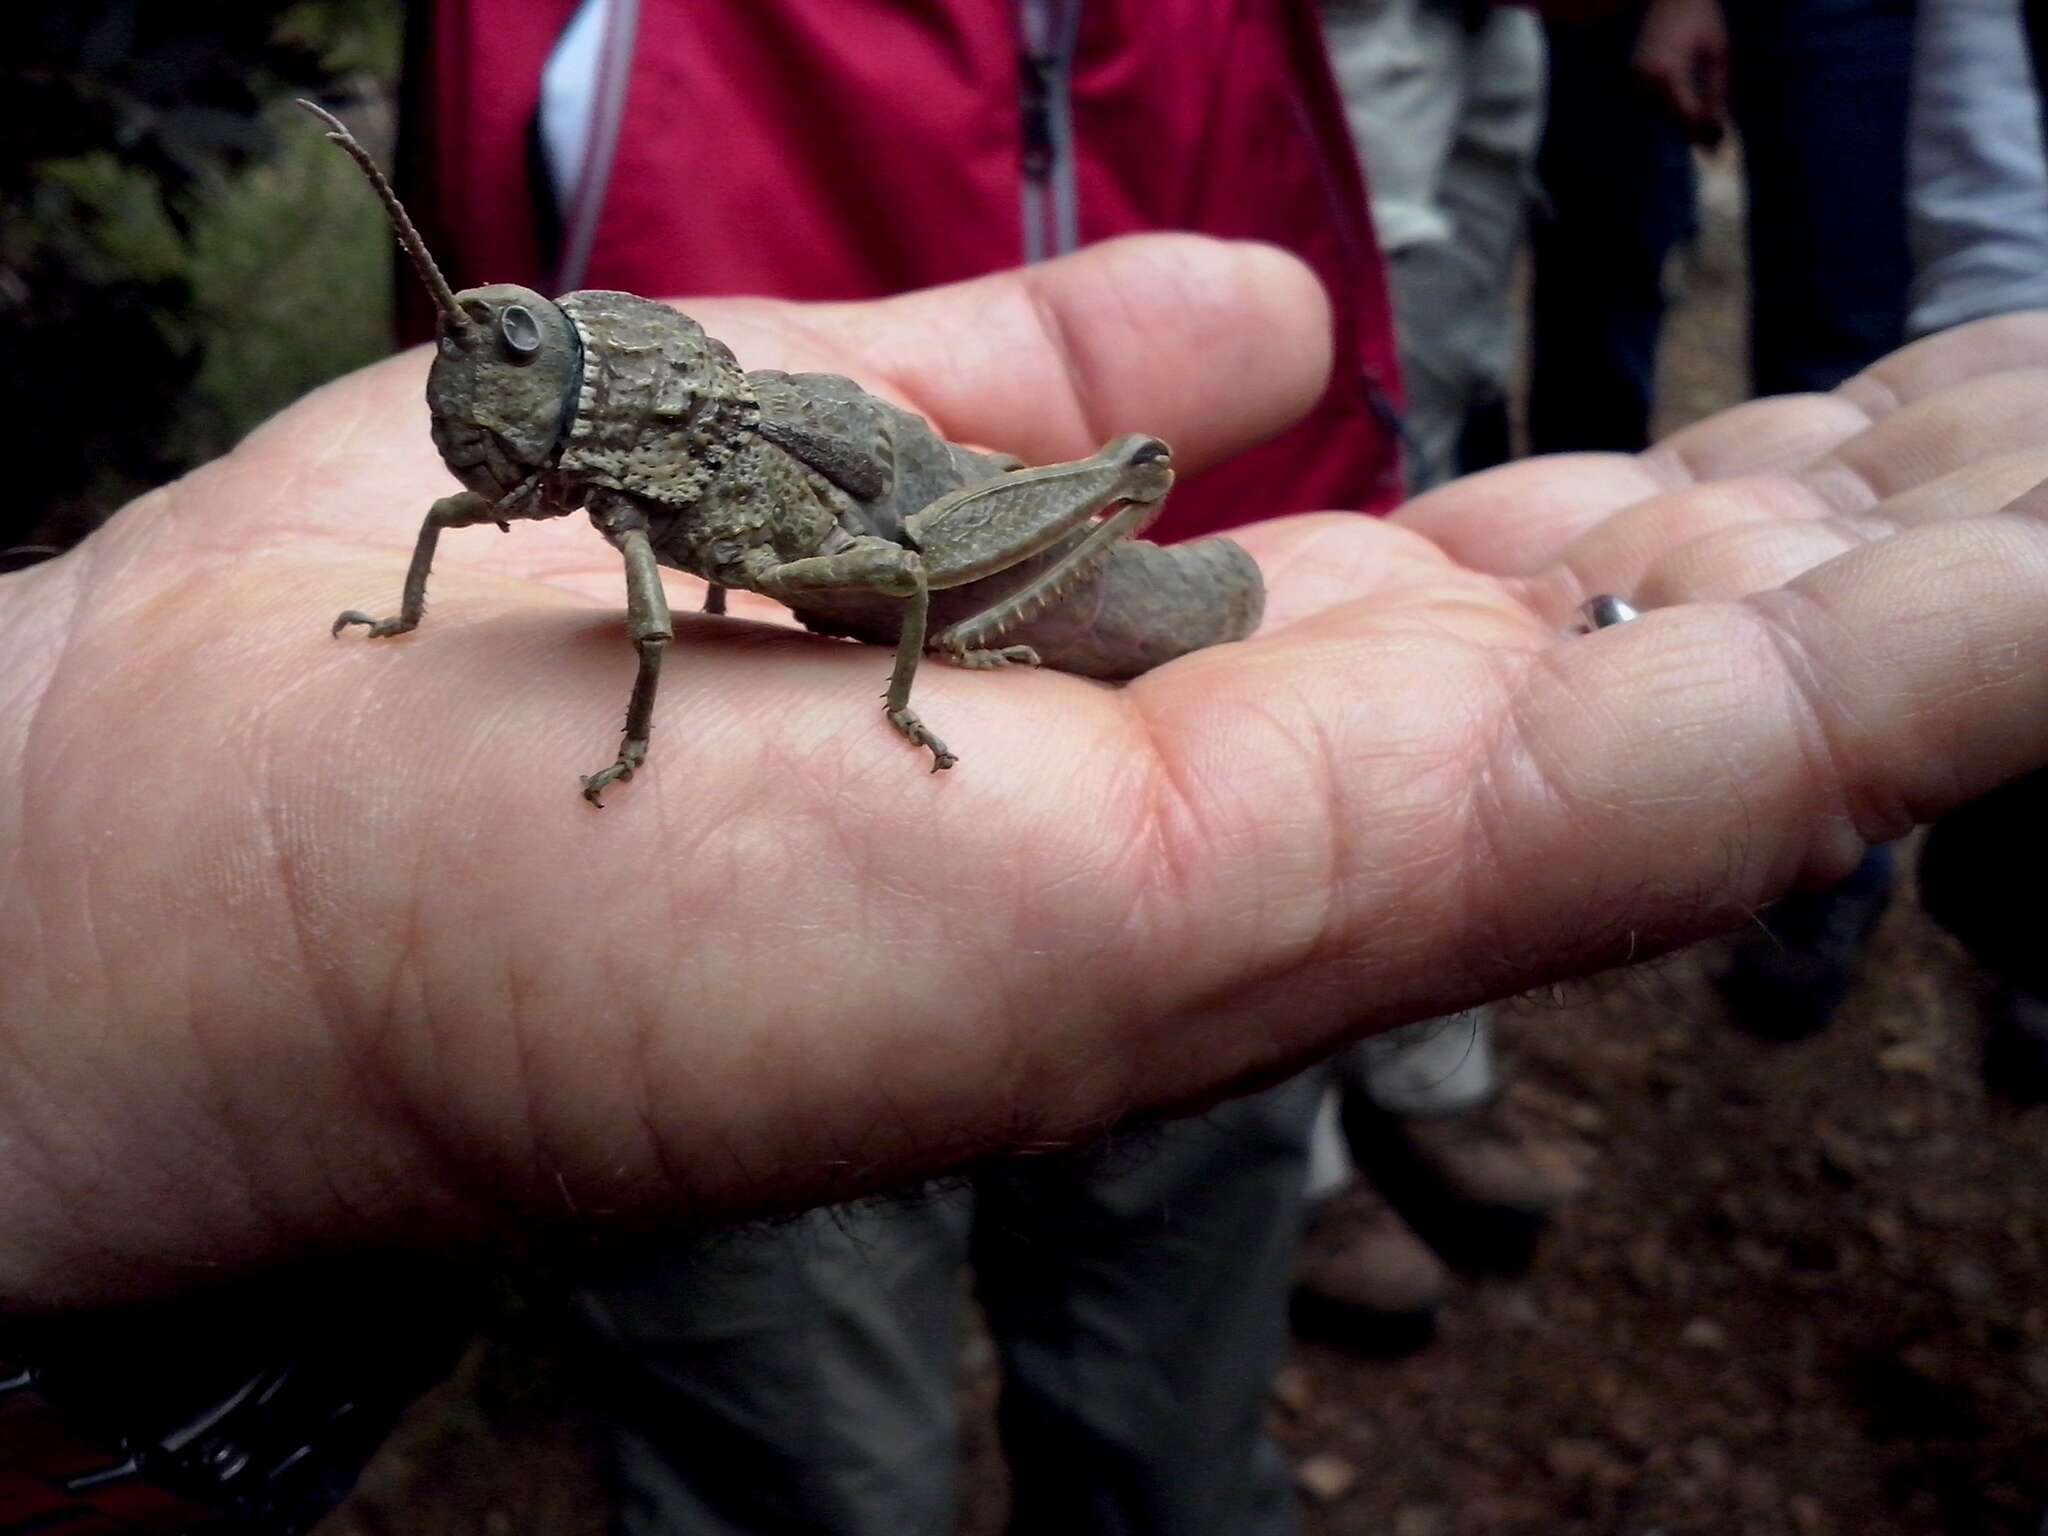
point(1804, 1295)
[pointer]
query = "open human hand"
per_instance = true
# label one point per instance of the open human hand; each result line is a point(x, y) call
point(311, 943)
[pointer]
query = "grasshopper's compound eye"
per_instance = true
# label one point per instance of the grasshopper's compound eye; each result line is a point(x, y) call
point(520, 331)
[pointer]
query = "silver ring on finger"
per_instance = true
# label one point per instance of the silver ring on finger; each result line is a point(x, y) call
point(1605, 611)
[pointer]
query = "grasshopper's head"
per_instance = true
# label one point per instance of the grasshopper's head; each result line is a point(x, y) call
point(507, 362)
point(503, 386)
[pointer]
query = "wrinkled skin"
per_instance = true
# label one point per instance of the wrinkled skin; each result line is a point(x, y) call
point(301, 945)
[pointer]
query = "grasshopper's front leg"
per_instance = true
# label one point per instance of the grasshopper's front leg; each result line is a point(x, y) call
point(449, 512)
point(975, 532)
point(647, 619)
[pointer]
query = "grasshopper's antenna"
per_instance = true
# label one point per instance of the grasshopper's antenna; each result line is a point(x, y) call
point(408, 237)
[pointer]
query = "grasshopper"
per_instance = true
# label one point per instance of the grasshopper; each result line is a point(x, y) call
point(850, 511)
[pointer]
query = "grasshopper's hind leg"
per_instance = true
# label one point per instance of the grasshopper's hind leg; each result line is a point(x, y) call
point(966, 643)
point(990, 527)
point(986, 659)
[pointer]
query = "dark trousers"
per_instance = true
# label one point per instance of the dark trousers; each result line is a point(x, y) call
point(1617, 195)
point(1976, 880)
point(1819, 93)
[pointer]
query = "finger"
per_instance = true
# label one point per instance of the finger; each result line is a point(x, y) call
point(1212, 345)
point(1519, 519)
point(1915, 446)
point(1516, 520)
point(1675, 78)
point(1791, 431)
point(1623, 793)
point(1995, 345)
point(1654, 68)
point(1968, 422)
point(1736, 561)
point(1712, 77)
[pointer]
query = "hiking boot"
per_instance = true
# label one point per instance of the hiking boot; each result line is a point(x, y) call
point(1470, 1185)
point(2016, 1046)
point(1786, 982)
point(1365, 1282)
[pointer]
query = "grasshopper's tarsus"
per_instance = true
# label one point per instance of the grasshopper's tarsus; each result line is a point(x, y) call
point(631, 755)
point(919, 735)
point(1001, 656)
point(378, 628)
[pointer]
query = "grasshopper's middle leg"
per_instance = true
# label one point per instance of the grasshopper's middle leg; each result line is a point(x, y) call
point(872, 565)
point(647, 618)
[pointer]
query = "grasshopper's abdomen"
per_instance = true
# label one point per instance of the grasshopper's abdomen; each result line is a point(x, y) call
point(1144, 605)
point(1136, 608)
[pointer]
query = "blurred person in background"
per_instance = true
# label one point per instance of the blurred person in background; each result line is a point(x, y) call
point(1445, 103)
point(807, 1378)
point(1817, 93)
point(1978, 209)
point(1617, 197)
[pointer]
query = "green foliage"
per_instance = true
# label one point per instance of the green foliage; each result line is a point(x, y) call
point(291, 267)
point(176, 259)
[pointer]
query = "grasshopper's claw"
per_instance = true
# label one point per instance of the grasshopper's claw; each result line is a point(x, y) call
point(378, 628)
point(919, 734)
point(631, 756)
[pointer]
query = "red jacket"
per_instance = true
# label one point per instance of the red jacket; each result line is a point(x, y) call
point(862, 147)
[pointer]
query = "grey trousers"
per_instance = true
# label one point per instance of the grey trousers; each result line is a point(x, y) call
point(1445, 102)
point(804, 1378)
point(1977, 179)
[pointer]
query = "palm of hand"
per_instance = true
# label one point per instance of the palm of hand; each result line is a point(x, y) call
point(321, 943)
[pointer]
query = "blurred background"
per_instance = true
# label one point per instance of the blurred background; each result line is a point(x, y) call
point(179, 257)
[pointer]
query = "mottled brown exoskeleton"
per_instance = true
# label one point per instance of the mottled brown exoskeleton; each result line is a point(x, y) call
point(849, 510)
